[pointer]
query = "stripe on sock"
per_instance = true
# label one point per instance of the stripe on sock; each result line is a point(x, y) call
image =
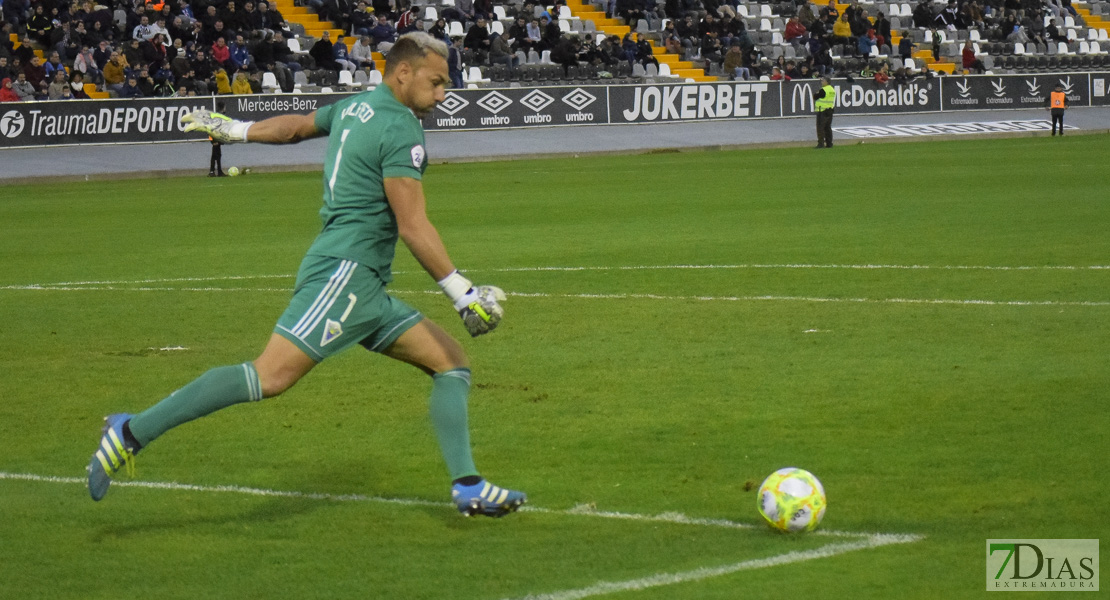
point(254, 385)
point(463, 374)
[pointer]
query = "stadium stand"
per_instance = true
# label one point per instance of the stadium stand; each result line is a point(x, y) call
point(290, 45)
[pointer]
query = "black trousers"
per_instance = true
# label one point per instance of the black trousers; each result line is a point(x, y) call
point(214, 165)
point(824, 128)
point(1057, 117)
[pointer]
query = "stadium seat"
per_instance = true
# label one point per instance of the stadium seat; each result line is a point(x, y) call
point(765, 24)
point(545, 57)
point(455, 29)
point(1019, 49)
point(295, 46)
point(1103, 35)
point(1096, 48)
point(973, 35)
point(651, 70)
point(497, 27)
point(374, 78)
point(664, 70)
point(564, 25)
point(1069, 21)
point(564, 13)
point(269, 82)
point(533, 57)
point(361, 78)
point(1084, 48)
point(299, 78)
point(346, 78)
point(638, 70)
point(499, 12)
point(765, 11)
point(475, 76)
point(430, 13)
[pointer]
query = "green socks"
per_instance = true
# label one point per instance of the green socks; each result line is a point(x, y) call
point(218, 388)
point(448, 411)
point(223, 386)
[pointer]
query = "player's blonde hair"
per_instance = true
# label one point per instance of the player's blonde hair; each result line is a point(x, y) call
point(413, 47)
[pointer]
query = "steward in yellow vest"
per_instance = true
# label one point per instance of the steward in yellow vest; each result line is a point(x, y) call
point(824, 101)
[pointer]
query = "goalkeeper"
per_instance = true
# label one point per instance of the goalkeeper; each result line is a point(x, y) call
point(372, 195)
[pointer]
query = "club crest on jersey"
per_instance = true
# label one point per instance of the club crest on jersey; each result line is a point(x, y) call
point(417, 155)
point(332, 330)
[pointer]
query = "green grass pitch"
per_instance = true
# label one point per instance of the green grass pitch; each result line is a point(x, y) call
point(958, 400)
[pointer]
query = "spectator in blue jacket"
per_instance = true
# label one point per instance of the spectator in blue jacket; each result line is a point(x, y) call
point(130, 89)
point(341, 56)
point(241, 55)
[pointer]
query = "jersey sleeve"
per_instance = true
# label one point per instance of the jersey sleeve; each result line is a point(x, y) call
point(323, 118)
point(403, 153)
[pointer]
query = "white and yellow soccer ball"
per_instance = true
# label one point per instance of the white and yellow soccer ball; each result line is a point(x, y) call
point(792, 500)
point(233, 171)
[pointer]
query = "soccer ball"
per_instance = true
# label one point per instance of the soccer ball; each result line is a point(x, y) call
point(791, 500)
point(233, 171)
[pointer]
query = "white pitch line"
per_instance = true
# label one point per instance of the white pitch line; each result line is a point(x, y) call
point(764, 298)
point(661, 579)
point(870, 540)
point(672, 518)
point(865, 267)
point(803, 266)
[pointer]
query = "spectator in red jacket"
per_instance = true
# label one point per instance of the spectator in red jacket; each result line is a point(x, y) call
point(794, 29)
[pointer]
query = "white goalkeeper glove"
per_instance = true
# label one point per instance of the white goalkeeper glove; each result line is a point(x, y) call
point(219, 127)
point(478, 306)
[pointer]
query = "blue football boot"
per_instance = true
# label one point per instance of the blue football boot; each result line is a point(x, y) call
point(484, 498)
point(113, 454)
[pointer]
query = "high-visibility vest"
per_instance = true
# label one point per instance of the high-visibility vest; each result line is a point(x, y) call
point(826, 102)
point(1058, 99)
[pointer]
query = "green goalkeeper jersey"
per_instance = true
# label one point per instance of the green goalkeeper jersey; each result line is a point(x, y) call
point(372, 136)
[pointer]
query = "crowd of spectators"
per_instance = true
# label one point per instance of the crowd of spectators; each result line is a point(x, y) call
point(162, 48)
point(135, 48)
point(715, 35)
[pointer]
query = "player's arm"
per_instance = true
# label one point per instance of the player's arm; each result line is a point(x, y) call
point(282, 129)
point(477, 305)
point(406, 198)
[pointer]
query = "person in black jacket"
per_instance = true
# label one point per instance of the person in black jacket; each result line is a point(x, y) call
point(322, 53)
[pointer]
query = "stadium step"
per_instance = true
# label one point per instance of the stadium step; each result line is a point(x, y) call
point(939, 65)
point(92, 92)
point(679, 68)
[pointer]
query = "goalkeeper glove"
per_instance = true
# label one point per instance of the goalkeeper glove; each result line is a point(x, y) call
point(219, 127)
point(478, 306)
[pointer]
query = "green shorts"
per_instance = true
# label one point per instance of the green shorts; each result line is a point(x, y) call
point(338, 303)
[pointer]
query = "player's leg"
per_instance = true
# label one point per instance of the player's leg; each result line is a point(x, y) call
point(820, 130)
point(428, 347)
point(279, 366)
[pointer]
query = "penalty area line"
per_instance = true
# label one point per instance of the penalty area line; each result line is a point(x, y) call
point(578, 511)
point(598, 296)
point(662, 579)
